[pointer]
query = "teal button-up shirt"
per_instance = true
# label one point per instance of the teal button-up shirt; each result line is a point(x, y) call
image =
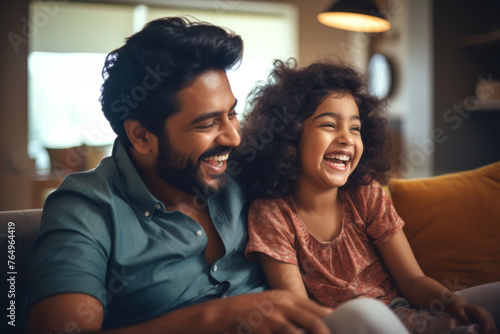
point(104, 234)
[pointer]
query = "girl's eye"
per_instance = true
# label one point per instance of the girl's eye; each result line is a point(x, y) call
point(356, 128)
point(328, 125)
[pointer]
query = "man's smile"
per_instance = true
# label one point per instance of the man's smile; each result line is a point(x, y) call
point(217, 160)
point(215, 164)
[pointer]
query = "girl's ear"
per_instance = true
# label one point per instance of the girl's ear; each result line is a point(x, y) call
point(142, 140)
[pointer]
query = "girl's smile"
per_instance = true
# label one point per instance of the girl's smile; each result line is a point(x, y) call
point(338, 160)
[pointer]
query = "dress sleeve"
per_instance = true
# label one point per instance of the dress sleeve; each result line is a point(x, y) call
point(270, 231)
point(383, 222)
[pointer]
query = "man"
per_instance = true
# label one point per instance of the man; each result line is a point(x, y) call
point(152, 240)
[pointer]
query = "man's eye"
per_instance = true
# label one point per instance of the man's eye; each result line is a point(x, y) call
point(206, 126)
point(232, 114)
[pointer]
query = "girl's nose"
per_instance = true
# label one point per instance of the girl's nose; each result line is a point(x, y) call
point(345, 137)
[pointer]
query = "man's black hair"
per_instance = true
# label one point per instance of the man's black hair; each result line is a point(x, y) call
point(143, 77)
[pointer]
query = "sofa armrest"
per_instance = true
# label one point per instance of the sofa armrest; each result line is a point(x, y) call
point(24, 226)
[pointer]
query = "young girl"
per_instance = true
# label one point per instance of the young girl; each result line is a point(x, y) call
point(314, 152)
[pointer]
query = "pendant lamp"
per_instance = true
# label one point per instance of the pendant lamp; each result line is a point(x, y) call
point(355, 15)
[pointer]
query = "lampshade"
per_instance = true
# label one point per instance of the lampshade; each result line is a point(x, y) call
point(355, 15)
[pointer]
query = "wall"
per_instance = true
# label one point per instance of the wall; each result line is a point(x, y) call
point(408, 46)
point(439, 58)
point(317, 41)
point(394, 45)
point(15, 166)
point(470, 135)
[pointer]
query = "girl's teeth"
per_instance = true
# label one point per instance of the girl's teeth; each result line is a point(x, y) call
point(338, 157)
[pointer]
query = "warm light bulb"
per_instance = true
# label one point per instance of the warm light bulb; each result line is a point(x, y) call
point(354, 22)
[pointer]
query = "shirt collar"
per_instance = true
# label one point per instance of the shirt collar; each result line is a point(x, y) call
point(133, 186)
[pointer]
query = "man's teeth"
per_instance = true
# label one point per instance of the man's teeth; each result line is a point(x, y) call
point(218, 158)
point(222, 158)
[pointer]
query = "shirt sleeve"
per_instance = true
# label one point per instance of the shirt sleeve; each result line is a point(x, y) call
point(271, 232)
point(383, 222)
point(71, 251)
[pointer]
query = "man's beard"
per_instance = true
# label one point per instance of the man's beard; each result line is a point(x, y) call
point(190, 178)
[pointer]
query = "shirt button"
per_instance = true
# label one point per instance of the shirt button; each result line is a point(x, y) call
point(215, 267)
point(199, 233)
point(146, 213)
point(158, 206)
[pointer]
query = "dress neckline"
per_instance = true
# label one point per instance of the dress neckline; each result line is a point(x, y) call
point(312, 236)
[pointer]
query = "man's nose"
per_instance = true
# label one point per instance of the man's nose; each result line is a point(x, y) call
point(230, 134)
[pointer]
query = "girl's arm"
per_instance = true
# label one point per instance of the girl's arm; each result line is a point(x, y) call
point(423, 291)
point(281, 275)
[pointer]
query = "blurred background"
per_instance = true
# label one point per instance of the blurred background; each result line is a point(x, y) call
point(438, 67)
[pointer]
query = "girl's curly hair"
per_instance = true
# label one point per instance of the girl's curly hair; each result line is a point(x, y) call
point(272, 129)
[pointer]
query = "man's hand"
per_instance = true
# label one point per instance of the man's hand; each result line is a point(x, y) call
point(274, 311)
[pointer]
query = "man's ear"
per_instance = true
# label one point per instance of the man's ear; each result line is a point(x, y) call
point(142, 140)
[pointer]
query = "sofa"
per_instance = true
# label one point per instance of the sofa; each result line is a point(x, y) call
point(17, 229)
point(452, 222)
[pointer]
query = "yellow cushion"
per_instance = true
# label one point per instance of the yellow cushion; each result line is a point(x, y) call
point(453, 224)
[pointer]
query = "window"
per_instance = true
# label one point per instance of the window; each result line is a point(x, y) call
point(67, 53)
